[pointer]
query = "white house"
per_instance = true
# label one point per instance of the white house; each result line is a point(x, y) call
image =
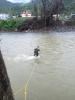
point(55, 16)
point(4, 16)
point(26, 14)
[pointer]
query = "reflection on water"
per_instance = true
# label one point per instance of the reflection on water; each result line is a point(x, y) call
point(48, 77)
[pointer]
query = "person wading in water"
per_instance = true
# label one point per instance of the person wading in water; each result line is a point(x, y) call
point(36, 51)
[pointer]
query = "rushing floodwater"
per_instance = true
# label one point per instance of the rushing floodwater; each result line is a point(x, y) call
point(48, 77)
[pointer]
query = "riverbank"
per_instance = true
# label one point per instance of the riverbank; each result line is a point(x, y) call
point(45, 29)
point(34, 25)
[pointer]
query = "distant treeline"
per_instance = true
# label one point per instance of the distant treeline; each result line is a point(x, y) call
point(16, 10)
point(69, 7)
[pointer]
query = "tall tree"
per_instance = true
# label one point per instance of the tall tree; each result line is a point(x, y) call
point(35, 7)
point(48, 8)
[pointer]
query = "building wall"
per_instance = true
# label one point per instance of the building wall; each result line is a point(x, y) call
point(4, 16)
point(5, 87)
point(26, 14)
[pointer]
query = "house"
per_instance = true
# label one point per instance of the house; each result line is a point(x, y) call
point(14, 17)
point(26, 14)
point(55, 16)
point(4, 16)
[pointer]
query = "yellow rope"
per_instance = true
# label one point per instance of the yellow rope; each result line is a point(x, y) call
point(25, 93)
point(26, 85)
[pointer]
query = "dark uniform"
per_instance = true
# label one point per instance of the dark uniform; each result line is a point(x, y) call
point(36, 51)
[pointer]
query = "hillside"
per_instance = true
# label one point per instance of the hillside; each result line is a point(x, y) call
point(8, 7)
point(16, 8)
point(4, 3)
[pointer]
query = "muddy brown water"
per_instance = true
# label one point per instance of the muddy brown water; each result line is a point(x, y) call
point(51, 76)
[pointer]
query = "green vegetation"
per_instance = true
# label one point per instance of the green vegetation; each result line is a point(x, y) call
point(69, 6)
point(16, 9)
point(43, 8)
point(11, 25)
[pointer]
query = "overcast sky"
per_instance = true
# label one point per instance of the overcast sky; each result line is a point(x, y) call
point(14, 1)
